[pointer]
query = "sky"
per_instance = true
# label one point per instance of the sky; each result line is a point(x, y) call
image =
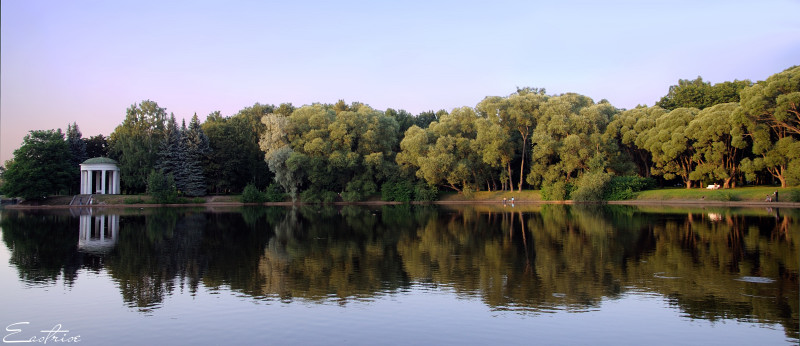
point(88, 61)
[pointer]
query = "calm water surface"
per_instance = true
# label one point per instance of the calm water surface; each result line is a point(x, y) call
point(429, 275)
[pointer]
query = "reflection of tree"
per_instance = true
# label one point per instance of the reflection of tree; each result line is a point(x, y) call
point(43, 246)
point(153, 251)
point(325, 252)
point(711, 264)
point(705, 268)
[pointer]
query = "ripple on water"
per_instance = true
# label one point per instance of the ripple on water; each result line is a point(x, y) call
point(756, 279)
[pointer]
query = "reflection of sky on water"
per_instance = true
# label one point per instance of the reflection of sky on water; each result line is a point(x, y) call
point(423, 312)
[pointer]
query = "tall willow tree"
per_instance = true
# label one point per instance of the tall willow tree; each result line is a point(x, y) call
point(445, 152)
point(567, 138)
point(330, 151)
point(670, 144)
point(718, 143)
point(771, 110)
point(626, 127)
point(518, 115)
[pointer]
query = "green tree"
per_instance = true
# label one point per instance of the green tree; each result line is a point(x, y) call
point(275, 145)
point(235, 158)
point(40, 167)
point(671, 145)
point(568, 141)
point(520, 113)
point(495, 148)
point(699, 94)
point(135, 143)
point(96, 146)
point(771, 112)
point(172, 154)
point(77, 148)
point(162, 187)
point(443, 154)
point(197, 150)
point(718, 144)
point(627, 126)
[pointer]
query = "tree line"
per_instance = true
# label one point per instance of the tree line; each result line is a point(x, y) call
point(567, 145)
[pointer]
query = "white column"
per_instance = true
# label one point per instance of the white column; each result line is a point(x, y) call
point(116, 182)
point(96, 182)
point(103, 185)
point(81, 189)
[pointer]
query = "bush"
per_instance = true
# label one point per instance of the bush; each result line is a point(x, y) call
point(792, 196)
point(252, 195)
point(273, 193)
point(130, 200)
point(401, 191)
point(162, 187)
point(557, 191)
point(425, 192)
point(591, 186)
point(723, 196)
point(310, 196)
point(625, 187)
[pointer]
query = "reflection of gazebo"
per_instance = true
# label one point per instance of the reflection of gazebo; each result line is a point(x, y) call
point(98, 233)
point(99, 175)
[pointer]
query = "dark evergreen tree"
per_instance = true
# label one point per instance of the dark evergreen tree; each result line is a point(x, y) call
point(172, 154)
point(77, 147)
point(96, 146)
point(197, 149)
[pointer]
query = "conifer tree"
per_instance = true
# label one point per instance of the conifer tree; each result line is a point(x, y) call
point(77, 147)
point(172, 154)
point(197, 148)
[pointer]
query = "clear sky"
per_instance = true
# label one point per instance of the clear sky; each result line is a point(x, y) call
point(88, 61)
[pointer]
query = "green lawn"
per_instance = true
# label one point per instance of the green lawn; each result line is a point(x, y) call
point(754, 194)
point(525, 195)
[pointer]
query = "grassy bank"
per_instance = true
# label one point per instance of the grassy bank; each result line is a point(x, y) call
point(485, 196)
point(744, 194)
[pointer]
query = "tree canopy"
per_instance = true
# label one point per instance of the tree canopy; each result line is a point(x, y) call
point(731, 133)
point(41, 166)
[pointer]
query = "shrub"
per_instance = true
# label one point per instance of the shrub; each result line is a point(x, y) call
point(557, 191)
point(273, 193)
point(425, 192)
point(400, 191)
point(310, 196)
point(792, 196)
point(130, 200)
point(625, 187)
point(591, 186)
point(723, 196)
point(162, 187)
point(252, 195)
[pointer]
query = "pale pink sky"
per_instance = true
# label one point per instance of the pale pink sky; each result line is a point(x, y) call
point(87, 61)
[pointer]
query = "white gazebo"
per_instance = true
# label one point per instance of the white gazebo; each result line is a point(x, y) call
point(100, 175)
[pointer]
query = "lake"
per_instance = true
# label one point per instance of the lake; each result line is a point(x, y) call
point(429, 275)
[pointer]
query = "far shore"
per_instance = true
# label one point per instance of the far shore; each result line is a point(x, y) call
point(639, 202)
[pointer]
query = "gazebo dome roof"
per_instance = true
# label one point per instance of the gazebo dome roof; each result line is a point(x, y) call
point(97, 160)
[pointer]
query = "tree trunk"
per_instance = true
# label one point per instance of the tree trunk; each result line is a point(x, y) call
point(510, 179)
point(522, 164)
point(688, 183)
point(727, 183)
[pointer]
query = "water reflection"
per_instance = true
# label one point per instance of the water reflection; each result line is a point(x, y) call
point(712, 264)
point(98, 233)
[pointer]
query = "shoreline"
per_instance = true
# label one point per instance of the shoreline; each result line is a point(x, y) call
point(675, 202)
